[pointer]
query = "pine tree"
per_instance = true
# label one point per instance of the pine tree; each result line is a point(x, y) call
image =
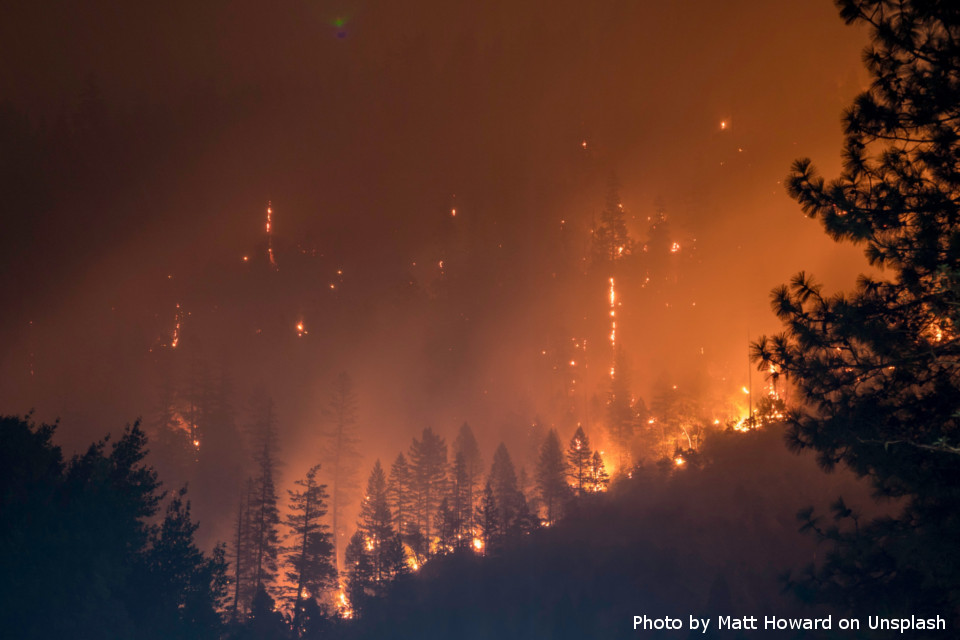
point(611, 241)
point(428, 459)
point(339, 453)
point(400, 495)
point(243, 552)
point(877, 369)
point(309, 556)
point(359, 572)
point(376, 526)
point(466, 446)
point(506, 495)
point(597, 477)
point(264, 514)
point(552, 477)
point(461, 501)
point(489, 520)
point(579, 457)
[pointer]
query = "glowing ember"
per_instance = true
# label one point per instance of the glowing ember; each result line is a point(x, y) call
point(478, 544)
point(301, 329)
point(679, 461)
point(269, 226)
point(175, 340)
point(675, 247)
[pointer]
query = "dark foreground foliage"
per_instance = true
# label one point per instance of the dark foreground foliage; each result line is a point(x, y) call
point(878, 368)
point(84, 552)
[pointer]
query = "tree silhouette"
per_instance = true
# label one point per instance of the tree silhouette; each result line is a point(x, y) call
point(877, 368)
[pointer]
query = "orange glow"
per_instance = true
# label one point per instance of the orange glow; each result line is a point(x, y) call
point(478, 544)
point(301, 329)
point(679, 461)
point(675, 247)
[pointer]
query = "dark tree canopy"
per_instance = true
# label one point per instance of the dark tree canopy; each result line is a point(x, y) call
point(878, 367)
point(83, 535)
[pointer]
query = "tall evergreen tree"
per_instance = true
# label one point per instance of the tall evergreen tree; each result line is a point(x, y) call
point(309, 556)
point(597, 478)
point(466, 446)
point(376, 526)
point(243, 553)
point(264, 514)
point(506, 495)
point(339, 453)
point(460, 501)
point(428, 459)
point(611, 240)
point(579, 457)
point(400, 497)
point(552, 477)
point(877, 369)
point(488, 519)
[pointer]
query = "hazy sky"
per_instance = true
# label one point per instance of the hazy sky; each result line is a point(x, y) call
point(145, 140)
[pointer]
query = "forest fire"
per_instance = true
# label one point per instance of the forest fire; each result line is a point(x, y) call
point(403, 432)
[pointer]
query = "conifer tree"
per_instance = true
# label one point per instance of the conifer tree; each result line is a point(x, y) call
point(877, 369)
point(506, 495)
point(428, 459)
point(611, 240)
point(309, 556)
point(579, 457)
point(400, 495)
point(552, 477)
point(597, 477)
point(466, 446)
point(488, 519)
point(339, 454)
point(264, 514)
point(376, 525)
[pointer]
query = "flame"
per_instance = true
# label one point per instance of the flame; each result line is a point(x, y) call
point(269, 226)
point(343, 605)
point(478, 544)
point(679, 461)
point(301, 329)
point(175, 340)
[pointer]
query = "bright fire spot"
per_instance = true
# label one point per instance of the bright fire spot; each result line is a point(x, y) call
point(679, 461)
point(583, 144)
point(246, 258)
point(196, 444)
point(269, 226)
point(745, 390)
point(301, 330)
point(675, 247)
point(478, 544)
point(343, 605)
point(175, 340)
point(573, 363)
point(440, 264)
point(723, 125)
point(453, 213)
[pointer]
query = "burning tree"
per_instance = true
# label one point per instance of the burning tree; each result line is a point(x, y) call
point(578, 459)
point(428, 457)
point(552, 477)
point(879, 368)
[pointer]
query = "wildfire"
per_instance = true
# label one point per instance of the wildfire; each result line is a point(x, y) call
point(679, 461)
point(301, 329)
point(343, 605)
point(478, 544)
point(269, 226)
point(175, 340)
point(613, 321)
